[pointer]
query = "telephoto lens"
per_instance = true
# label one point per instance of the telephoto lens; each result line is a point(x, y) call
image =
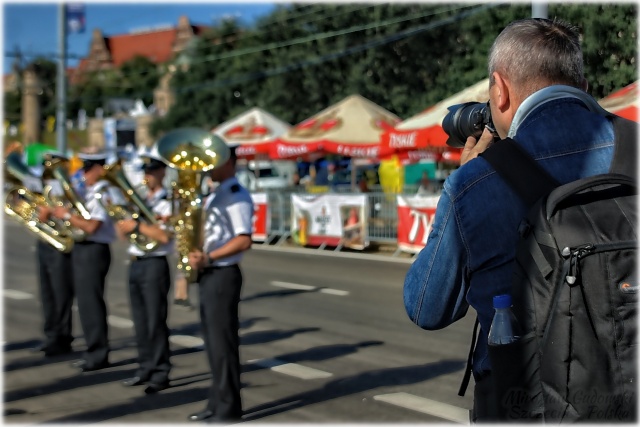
point(465, 120)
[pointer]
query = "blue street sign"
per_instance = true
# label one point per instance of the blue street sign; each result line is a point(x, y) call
point(75, 18)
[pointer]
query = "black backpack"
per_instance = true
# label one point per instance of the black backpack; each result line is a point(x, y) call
point(575, 291)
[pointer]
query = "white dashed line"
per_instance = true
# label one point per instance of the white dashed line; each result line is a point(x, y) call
point(291, 369)
point(186, 341)
point(426, 406)
point(13, 294)
point(334, 292)
point(296, 286)
point(120, 322)
point(300, 287)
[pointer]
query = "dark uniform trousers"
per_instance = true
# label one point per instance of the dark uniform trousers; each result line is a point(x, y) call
point(56, 295)
point(219, 298)
point(91, 263)
point(149, 283)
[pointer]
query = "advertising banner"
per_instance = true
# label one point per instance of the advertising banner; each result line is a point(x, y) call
point(415, 217)
point(330, 219)
point(261, 217)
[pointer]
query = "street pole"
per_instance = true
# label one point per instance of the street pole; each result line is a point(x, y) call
point(61, 90)
point(539, 10)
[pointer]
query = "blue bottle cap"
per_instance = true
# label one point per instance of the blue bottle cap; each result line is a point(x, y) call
point(502, 301)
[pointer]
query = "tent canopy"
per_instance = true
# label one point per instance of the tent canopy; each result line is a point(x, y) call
point(251, 132)
point(352, 128)
point(624, 102)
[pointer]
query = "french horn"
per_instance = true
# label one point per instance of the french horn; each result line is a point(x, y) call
point(191, 152)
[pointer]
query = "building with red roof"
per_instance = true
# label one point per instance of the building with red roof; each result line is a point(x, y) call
point(158, 44)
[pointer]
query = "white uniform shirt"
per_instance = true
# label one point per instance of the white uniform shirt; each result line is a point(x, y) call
point(228, 212)
point(56, 187)
point(160, 206)
point(106, 233)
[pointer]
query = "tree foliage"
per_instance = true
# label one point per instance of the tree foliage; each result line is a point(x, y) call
point(446, 53)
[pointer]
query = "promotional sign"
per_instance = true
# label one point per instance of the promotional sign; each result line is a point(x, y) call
point(330, 219)
point(261, 217)
point(415, 217)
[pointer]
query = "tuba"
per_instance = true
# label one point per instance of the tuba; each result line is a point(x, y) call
point(135, 206)
point(22, 205)
point(192, 152)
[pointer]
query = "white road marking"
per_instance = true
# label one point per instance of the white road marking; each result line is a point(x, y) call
point(13, 294)
point(296, 286)
point(291, 369)
point(426, 406)
point(186, 341)
point(120, 322)
point(299, 287)
point(334, 291)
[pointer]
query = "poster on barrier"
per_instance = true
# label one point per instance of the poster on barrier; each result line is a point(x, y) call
point(330, 219)
point(261, 218)
point(415, 217)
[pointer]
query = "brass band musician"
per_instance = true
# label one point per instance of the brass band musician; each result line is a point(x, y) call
point(56, 285)
point(149, 283)
point(227, 234)
point(91, 259)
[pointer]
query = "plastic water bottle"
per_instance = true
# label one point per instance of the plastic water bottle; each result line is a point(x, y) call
point(504, 327)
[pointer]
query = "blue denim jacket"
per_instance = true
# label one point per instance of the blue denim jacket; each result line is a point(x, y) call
point(469, 256)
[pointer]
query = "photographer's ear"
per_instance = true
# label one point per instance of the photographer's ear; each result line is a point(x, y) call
point(502, 96)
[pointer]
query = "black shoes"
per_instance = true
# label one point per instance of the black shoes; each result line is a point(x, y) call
point(52, 349)
point(132, 382)
point(182, 301)
point(57, 350)
point(201, 416)
point(153, 388)
point(84, 366)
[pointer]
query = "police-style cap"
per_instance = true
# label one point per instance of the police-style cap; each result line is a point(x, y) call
point(151, 162)
point(89, 160)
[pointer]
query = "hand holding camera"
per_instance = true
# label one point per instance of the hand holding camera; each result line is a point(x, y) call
point(473, 147)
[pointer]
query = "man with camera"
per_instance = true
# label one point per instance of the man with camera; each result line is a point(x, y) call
point(536, 97)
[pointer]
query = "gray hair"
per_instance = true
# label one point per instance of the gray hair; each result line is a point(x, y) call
point(535, 53)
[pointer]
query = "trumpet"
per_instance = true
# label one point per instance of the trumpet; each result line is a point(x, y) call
point(22, 205)
point(191, 152)
point(135, 206)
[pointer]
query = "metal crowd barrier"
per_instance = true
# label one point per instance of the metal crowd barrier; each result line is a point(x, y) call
point(382, 220)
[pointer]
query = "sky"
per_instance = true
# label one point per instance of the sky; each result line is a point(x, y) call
point(33, 27)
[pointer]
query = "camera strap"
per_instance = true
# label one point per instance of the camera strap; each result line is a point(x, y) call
point(521, 172)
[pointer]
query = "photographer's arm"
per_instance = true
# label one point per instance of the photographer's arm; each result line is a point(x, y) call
point(435, 285)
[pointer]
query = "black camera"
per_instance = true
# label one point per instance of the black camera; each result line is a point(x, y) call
point(465, 120)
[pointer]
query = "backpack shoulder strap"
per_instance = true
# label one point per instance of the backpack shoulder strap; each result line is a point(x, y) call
point(625, 153)
point(520, 171)
point(469, 367)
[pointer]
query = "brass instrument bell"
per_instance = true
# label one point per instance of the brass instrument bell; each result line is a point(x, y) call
point(193, 149)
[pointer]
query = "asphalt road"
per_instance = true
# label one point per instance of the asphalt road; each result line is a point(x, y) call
point(324, 339)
